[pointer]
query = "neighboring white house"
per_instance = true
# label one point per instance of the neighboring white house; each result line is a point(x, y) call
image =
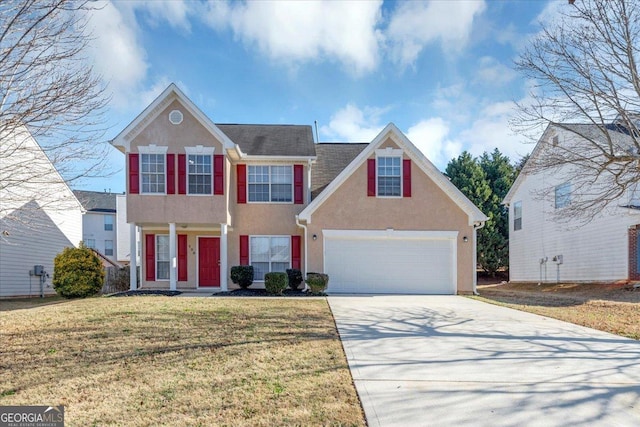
point(123, 231)
point(39, 216)
point(544, 249)
point(99, 223)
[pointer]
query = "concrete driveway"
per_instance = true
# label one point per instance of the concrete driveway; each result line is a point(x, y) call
point(453, 361)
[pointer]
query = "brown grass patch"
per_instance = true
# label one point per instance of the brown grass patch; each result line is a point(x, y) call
point(612, 307)
point(148, 361)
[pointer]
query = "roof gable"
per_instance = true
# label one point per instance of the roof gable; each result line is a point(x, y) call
point(392, 132)
point(123, 140)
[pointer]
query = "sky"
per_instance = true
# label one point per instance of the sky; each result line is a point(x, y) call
point(442, 71)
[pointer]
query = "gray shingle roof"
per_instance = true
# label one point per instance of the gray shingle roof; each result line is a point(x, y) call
point(271, 140)
point(332, 159)
point(96, 201)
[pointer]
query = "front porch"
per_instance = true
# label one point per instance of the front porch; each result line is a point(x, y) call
point(184, 257)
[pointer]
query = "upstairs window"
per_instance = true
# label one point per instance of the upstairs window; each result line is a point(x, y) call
point(108, 223)
point(563, 195)
point(271, 184)
point(153, 173)
point(90, 243)
point(199, 171)
point(517, 216)
point(389, 176)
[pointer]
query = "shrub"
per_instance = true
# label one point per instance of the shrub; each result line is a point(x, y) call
point(242, 275)
point(275, 283)
point(317, 282)
point(78, 273)
point(295, 278)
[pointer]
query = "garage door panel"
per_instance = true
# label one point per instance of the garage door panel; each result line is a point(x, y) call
point(390, 265)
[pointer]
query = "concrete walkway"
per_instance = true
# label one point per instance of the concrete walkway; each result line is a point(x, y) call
point(453, 361)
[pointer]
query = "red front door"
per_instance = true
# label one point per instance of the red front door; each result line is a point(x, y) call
point(209, 261)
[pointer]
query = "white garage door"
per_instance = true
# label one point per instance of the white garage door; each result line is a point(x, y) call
point(390, 262)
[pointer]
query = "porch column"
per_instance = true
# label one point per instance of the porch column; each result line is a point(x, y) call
point(133, 257)
point(223, 257)
point(173, 262)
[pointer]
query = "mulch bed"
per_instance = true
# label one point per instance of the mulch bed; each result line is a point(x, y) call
point(263, 293)
point(142, 292)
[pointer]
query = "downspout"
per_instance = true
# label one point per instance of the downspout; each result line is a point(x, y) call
point(305, 244)
point(476, 226)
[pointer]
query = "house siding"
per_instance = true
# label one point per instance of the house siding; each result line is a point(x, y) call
point(596, 251)
point(429, 208)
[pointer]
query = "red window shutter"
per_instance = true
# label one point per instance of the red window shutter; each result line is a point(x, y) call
point(218, 174)
point(298, 184)
point(241, 172)
point(182, 257)
point(296, 257)
point(134, 173)
point(171, 173)
point(182, 174)
point(150, 257)
point(371, 177)
point(406, 178)
point(244, 250)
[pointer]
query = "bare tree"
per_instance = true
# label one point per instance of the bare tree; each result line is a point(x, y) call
point(583, 66)
point(49, 90)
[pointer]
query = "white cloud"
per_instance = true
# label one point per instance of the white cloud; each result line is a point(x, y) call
point(115, 51)
point(351, 124)
point(175, 12)
point(297, 32)
point(431, 136)
point(415, 24)
point(492, 72)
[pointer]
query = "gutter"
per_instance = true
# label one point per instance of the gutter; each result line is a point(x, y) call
point(476, 226)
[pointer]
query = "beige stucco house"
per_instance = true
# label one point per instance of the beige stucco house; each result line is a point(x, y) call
point(376, 217)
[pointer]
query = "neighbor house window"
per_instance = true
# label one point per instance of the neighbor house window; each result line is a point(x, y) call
point(563, 195)
point(152, 172)
point(270, 183)
point(108, 247)
point(389, 176)
point(90, 243)
point(199, 171)
point(270, 254)
point(108, 223)
point(517, 216)
point(162, 257)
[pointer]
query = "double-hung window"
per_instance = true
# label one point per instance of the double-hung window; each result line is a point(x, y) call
point(563, 195)
point(108, 222)
point(270, 183)
point(152, 172)
point(108, 247)
point(269, 254)
point(389, 176)
point(90, 243)
point(517, 216)
point(199, 171)
point(162, 257)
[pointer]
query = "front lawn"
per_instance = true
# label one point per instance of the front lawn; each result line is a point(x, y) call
point(613, 307)
point(149, 361)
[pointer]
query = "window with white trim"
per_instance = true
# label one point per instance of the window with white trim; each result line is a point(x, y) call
point(108, 222)
point(389, 176)
point(562, 195)
point(269, 254)
point(517, 216)
point(108, 247)
point(199, 173)
point(162, 257)
point(270, 183)
point(152, 173)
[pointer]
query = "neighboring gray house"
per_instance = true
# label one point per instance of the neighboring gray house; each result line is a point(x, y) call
point(39, 216)
point(543, 249)
point(99, 224)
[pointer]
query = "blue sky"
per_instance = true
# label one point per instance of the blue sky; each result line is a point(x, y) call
point(442, 71)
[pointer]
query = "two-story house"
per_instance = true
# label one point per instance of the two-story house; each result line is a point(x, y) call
point(376, 217)
point(544, 248)
point(99, 225)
